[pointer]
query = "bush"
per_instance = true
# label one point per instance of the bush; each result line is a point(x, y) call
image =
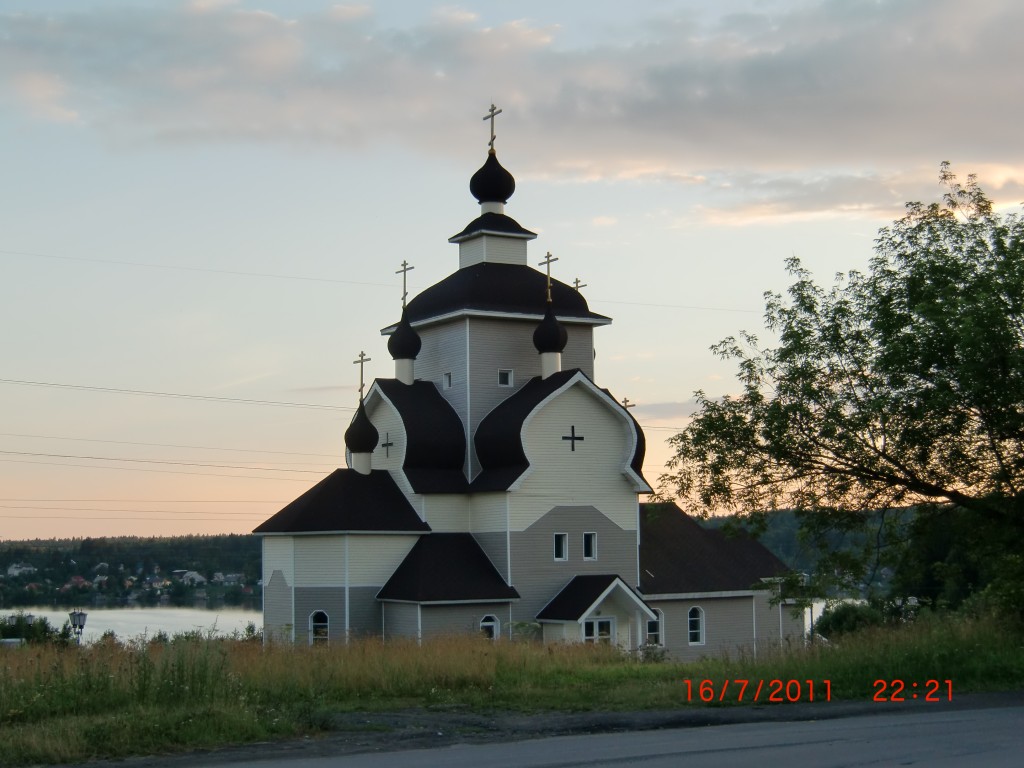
point(844, 618)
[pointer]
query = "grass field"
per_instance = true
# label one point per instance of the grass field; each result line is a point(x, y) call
point(115, 699)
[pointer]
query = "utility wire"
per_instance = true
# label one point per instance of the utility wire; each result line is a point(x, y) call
point(157, 471)
point(156, 461)
point(166, 445)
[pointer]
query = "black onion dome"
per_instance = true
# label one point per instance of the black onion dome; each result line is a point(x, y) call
point(361, 436)
point(492, 183)
point(550, 335)
point(404, 343)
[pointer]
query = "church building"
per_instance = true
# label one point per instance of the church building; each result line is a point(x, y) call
point(492, 486)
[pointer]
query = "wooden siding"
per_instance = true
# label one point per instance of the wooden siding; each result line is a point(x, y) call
point(374, 558)
point(491, 249)
point(538, 576)
point(447, 512)
point(579, 352)
point(278, 614)
point(279, 555)
point(400, 620)
point(327, 599)
point(592, 474)
point(319, 561)
point(489, 512)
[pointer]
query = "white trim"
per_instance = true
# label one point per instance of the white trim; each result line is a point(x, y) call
point(310, 636)
point(613, 634)
point(493, 233)
point(349, 533)
point(348, 624)
point(511, 377)
point(661, 629)
point(508, 542)
point(593, 547)
point(467, 313)
point(701, 626)
point(429, 603)
point(495, 625)
point(419, 623)
point(565, 547)
point(471, 458)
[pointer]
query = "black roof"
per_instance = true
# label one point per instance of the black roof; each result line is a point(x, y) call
point(493, 224)
point(577, 596)
point(346, 500)
point(508, 288)
point(436, 440)
point(446, 567)
point(678, 555)
point(498, 438)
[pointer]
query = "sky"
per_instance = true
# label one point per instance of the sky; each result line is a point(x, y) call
point(204, 204)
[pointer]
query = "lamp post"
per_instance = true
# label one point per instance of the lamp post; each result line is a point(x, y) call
point(78, 624)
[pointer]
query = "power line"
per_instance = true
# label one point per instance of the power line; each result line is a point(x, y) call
point(148, 393)
point(155, 461)
point(157, 471)
point(130, 511)
point(166, 445)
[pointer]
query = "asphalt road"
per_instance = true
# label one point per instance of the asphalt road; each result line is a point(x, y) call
point(989, 736)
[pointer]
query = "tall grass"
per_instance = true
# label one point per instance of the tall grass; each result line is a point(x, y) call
point(115, 699)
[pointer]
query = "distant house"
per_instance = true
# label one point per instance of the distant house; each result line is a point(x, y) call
point(20, 569)
point(192, 578)
point(491, 483)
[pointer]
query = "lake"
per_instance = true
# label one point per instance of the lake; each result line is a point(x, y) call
point(129, 623)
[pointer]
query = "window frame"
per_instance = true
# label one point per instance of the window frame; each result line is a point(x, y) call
point(700, 630)
point(490, 626)
point(594, 625)
point(319, 631)
point(590, 536)
point(564, 539)
point(660, 633)
point(511, 377)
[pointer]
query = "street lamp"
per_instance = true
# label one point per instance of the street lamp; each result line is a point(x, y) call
point(78, 624)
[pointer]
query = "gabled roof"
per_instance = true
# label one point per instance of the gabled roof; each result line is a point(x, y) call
point(447, 568)
point(435, 438)
point(498, 438)
point(503, 289)
point(346, 500)
point(583, 594)
point(679, 556)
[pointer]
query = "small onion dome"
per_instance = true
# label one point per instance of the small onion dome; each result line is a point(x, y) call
point(550, 335)
point(404, 343)
point(361, 436)
point(492, 183)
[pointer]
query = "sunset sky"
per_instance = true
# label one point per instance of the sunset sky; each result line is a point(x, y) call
point(207, 201)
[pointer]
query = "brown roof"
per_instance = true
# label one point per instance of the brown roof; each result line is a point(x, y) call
point(678, 555)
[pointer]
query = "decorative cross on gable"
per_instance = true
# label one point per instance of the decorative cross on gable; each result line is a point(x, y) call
point(361, 361)
point(547, 263)
point(388, 444)
point(492, 113)
point(577, 284)
point(627, 404)
point(572, 437)
point(404, 271)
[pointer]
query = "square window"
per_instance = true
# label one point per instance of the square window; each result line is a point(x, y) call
point(505, 377)
point(590, 546)
point(561, 546)
point(447, 380)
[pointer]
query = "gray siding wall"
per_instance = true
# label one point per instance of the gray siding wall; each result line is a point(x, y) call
point(539, 577)
point(461, 619)
point(330, 600)
point(400, 620)
point(364, 612)
point(495, 546)
point(278, 616)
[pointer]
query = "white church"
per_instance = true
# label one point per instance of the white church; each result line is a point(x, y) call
point(493, 487)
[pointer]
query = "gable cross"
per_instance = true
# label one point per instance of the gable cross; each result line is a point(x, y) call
point(404, 272)
point(627, 404)
point(547, 263)
point(361, 361)
point(492, 113)
point(577, 284)
point(387, 445)
point(572, 437)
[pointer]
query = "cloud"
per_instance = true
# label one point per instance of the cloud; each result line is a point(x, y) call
point(604, 221)
point(770, 108)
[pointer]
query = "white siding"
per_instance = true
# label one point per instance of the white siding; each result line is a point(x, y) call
point(390, 429)
point(489, 513)
point(495, 250)
point(279, 555)
point(319, 561)
point(592, 474)
point(447, 512)
point(374, 558)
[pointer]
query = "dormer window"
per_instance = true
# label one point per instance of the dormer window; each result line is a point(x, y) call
point(504, 377)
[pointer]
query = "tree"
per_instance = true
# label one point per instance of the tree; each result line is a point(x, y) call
point(903, 386)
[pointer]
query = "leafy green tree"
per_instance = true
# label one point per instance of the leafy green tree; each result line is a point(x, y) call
point(900, 387)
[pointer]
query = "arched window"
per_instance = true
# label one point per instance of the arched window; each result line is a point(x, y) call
point(656, 628)
point(319, 628)
point(490, 627)
point(695, 625)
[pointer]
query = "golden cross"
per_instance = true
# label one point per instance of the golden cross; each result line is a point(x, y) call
point(578, 284)
point(363, 359)
point(547, 263)
point(492, 113)
point(403, 272)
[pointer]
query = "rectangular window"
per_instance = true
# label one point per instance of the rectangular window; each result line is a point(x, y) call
point(447, 380)
point(598, 631)
point(654, 635)
point(505, 377)
point(590, 546)
point(561, 546)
